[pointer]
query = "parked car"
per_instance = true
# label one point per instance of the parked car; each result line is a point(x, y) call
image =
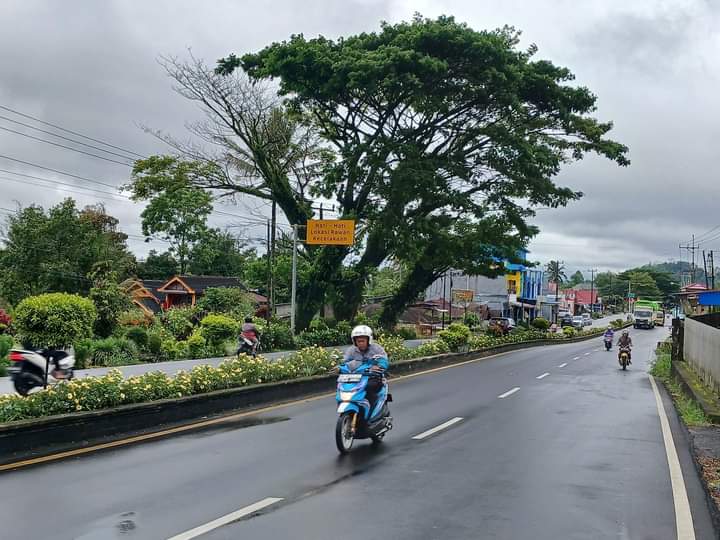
point(507, 324)
point(578, 321)
point(587, 319)
point(565, 320)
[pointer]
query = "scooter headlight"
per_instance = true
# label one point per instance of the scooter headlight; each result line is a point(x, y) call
point(346, 396)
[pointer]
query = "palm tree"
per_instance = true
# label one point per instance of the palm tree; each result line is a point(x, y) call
point(556, 275)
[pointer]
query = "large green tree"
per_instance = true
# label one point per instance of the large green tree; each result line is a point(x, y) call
point(54, 250)
point(218, 253)
point(442, 133)
point(177, 210)
point(577, 278)
point(157, 266)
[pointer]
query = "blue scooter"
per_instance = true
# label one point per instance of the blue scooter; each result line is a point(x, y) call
point(356, 421)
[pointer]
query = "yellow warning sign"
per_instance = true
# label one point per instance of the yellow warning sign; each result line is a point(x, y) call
point(331, 232)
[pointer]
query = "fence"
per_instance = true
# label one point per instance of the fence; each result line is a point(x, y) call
point(701, 347)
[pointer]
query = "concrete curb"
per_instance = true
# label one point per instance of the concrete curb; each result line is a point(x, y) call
point(33, 438)
point(693, 386)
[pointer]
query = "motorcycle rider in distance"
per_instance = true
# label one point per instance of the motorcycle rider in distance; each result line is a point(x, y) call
point(249, 331)
point(364, 350)
point(625, 343)
point(609, 334)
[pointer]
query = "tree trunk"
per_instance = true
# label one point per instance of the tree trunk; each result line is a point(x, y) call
point(417, 281)
point(327, 264)
point(350, 291)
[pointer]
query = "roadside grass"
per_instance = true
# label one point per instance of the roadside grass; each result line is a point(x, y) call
point(689, 410)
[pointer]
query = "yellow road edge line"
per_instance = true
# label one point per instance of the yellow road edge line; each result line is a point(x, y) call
point(205, 423)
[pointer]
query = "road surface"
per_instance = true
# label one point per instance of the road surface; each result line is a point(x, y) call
point(545, 443)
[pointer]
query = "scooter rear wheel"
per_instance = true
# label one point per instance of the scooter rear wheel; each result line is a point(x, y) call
point(343, 433)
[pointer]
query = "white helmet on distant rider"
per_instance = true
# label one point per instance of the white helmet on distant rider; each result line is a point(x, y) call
point(361, 331)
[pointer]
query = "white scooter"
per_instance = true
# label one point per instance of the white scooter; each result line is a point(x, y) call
point(32, 369)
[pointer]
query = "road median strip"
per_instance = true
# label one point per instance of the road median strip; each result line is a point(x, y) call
point(37, 440)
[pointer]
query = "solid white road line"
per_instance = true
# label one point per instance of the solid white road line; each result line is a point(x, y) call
point(563, 364)
point(542, 376)
point(434, 430)
point(683, 516)
point(576, 358)
point(224, 520)
point(509, 393)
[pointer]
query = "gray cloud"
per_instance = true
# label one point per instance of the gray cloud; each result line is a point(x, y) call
point(91, 66)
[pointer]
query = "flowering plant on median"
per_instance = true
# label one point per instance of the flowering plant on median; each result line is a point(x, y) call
point(111, 390)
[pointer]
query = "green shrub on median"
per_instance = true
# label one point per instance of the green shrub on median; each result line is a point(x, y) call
point(93, 393)
point(111, 390)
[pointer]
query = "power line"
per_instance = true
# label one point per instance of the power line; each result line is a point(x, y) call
point(55, 171)
point(65, 138)
point(110, 196)
point(70, 131)
point(64, 146)
point(247, 220)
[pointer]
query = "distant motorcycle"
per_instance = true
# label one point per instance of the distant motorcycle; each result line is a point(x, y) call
point(608, 343)
point(29, 369)
point(624, 357)
point(356, 420)
point(247, 346)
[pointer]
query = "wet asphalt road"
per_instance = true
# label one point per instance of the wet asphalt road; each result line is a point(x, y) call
point(576, 454)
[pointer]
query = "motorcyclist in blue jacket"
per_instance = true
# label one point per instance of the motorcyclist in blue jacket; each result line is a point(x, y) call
point(363, 350)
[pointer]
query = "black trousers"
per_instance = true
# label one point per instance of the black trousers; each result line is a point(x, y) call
point(372, 390)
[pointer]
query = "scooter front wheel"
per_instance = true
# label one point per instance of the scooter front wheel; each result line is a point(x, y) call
point(344, 432)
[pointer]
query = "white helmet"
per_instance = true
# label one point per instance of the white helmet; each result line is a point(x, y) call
point(361, 331)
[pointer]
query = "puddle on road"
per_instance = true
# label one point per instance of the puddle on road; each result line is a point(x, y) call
point(235, 424)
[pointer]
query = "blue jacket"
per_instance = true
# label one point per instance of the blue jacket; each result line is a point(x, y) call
point(609, 333)
point(375, 354)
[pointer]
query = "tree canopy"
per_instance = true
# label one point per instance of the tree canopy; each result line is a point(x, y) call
point(442, 133)
point(177, 210)
point(57, 249)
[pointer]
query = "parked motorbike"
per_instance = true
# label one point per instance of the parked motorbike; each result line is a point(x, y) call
point(624, 357)
point(356, 420)
point(32, 369)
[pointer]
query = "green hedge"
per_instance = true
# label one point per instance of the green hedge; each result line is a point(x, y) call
point(6, 343)
point(218, 328)
point(54, 320)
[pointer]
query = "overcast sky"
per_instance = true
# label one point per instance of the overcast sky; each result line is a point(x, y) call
point(90, 66)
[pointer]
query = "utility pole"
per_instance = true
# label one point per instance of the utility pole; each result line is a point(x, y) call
point(707, 278)
point(692, 247)
point(592, 271)
point(273, 227)
point(712, 268)
point(268, 313)
point(293, 293)
point(444, 285)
